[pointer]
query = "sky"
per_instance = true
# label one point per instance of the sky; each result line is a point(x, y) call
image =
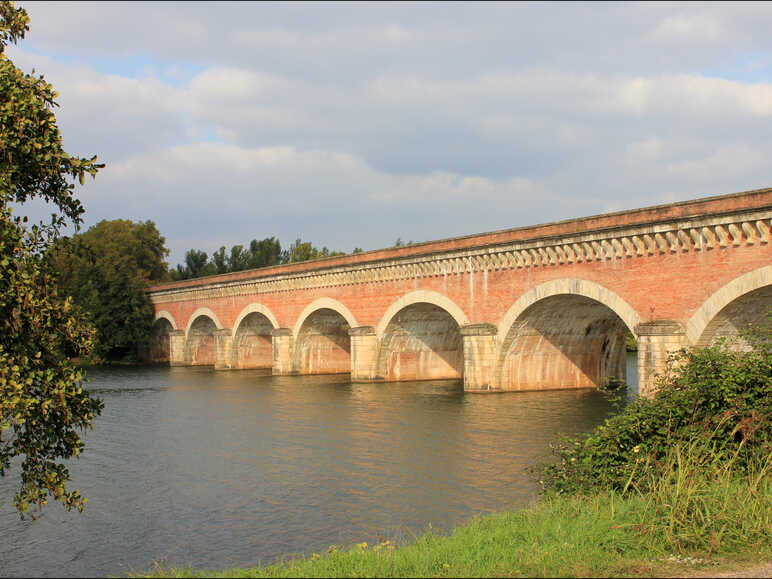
point(352, 125)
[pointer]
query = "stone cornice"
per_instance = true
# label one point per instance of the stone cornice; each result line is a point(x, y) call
point(734, 228)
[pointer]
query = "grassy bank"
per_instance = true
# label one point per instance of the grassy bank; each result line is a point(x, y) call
point(692, 519)
point(670, 484)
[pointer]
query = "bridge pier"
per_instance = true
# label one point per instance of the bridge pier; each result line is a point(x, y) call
point(223, 349)
point(177, 348)
point(282, 351)
point(656, 341)
point(364, 353)
point(479, 356)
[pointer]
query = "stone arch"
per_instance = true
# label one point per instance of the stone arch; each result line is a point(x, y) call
point(322, 344)
point(199, 338)
point(420, 339)
point(421, 296)
point(252, 344)
point(159, 344)
point(566, 333)
point(202, 312)
point(723, 311)
point(324, 303)
point(571, 286)
point(255, 309)
point(163, 314)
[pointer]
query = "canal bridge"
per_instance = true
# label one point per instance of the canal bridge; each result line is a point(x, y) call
point(540, 307)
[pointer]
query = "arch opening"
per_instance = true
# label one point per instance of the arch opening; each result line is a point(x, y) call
point(159, 346)
point(564, 341)
point(252, 344)
point(323, 345)
point(422, 341)
point(736, 317)
point(200, 345)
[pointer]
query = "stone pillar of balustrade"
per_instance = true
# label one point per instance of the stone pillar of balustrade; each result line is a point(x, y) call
point(479, 357)
point(223, 349)
point(177, 348)
point(364, 354)
point(656, 341)
point(282, 351)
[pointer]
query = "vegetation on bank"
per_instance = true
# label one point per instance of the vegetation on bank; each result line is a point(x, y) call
point(680, 481)
point(106, 271)
point(693, 518)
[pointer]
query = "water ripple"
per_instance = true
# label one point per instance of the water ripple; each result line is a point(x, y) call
point(216, 469)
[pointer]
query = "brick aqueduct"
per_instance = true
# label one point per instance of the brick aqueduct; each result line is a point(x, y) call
point(531, 308)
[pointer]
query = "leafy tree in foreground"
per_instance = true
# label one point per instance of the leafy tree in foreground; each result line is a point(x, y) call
point(106, 271)
point(42, 402)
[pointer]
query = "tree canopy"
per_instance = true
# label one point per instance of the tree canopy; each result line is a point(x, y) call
point(43, 405)
point(106, 271)
point(261, 253)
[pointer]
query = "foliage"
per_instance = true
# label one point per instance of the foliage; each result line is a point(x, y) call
point(305, 251)
point(263, 253)
point(715, 392)
point(42, 402)
point(106, 271)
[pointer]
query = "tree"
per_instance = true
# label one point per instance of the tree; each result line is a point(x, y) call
point(300, 251)
point(265, 252)
point(43, 405)
point(196, 264)
point(239, 259)
point(106, 271)
point(220, 261)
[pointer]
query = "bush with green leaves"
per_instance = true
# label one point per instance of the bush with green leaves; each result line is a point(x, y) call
point(721, 392)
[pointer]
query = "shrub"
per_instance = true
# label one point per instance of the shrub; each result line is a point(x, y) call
point(717, 394)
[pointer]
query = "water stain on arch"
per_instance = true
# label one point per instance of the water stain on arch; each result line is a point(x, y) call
point(323, 345)
point(422, 341)
point(563, 341)
point(159, 346)
point(252, 345)
point(200, 344)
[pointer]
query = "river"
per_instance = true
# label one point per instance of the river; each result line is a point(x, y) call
point(188, 466)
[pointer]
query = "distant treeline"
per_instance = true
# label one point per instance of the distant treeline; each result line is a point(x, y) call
point(261, 253)
point(107, 269)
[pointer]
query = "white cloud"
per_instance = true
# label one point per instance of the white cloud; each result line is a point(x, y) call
point(351, 124)
point(691, 28)
point(735, 159)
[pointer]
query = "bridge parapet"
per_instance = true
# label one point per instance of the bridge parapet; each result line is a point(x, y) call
point(692, 234)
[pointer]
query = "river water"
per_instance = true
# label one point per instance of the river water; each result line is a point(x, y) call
point(188, 466)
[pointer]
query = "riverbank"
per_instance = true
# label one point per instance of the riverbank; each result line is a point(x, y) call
point(677, 485)
point(702, 527)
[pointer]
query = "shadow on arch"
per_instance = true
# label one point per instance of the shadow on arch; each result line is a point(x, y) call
point(252, 341)
point(567, 333)
point(200, 340)
point(322, 343)
point(740, 304)
point(159, 345)
point(420, 339)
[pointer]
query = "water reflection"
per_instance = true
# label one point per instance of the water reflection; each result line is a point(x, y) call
point(217, 469)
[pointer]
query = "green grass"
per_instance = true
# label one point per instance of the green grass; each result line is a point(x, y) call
point(694, 516)
point(670, 484)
